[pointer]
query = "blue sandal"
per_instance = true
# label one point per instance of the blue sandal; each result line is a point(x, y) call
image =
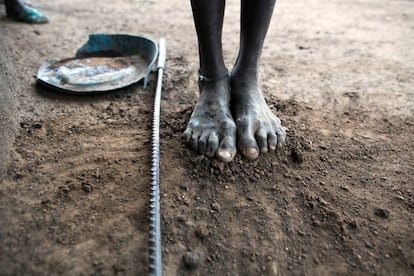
point(30, 15)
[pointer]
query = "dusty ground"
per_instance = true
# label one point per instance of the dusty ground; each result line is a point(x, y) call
point(338, 200)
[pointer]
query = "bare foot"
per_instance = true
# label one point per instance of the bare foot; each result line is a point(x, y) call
point(258, 129)
point(211, 130)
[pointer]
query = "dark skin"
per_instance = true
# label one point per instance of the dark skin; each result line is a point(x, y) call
point(231, 112)
point(14, 7)
point(18, 10)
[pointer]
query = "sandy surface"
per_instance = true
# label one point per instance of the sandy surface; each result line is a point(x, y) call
point(337, 200)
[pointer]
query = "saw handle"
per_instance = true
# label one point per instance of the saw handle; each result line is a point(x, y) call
point(162, 54)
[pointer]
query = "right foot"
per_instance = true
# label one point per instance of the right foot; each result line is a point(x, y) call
point(211, 130)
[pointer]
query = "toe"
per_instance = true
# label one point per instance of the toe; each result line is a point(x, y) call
point(280, 132)
point(194, 141)
point(224, 155)
point(281, 136)
point(247, 144)
point(227, 149)
point(187, 135)
point(202, 143)
point(212, 145)
point(272, 141)
point(261, 139)
point(249, 150)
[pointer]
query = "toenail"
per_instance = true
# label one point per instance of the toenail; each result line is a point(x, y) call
point(252, 151)
point(264, 150)
point(225, 154)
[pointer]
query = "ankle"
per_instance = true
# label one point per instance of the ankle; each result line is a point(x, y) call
point(213, 77)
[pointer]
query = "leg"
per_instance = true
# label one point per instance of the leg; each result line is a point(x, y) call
point(211, 130)
point(19, 11)
point(258, 129)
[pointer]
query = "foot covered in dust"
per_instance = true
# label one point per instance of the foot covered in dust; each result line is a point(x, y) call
point(258, 129)
point(211, 130)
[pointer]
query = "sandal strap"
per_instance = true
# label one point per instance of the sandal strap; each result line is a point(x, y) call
point(203, 78)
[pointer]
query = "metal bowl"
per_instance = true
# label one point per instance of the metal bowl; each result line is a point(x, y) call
point(106, 62)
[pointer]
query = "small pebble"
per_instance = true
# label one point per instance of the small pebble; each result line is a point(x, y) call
point(185, 186)
point(216, 206)
point(353, 223)
point(87, 187)
point(382, 213)
point(297, 155)
point(37, 125)
point(202, 232)
point(192, 259)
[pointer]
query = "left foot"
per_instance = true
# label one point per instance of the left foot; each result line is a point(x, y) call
point(258, 129)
